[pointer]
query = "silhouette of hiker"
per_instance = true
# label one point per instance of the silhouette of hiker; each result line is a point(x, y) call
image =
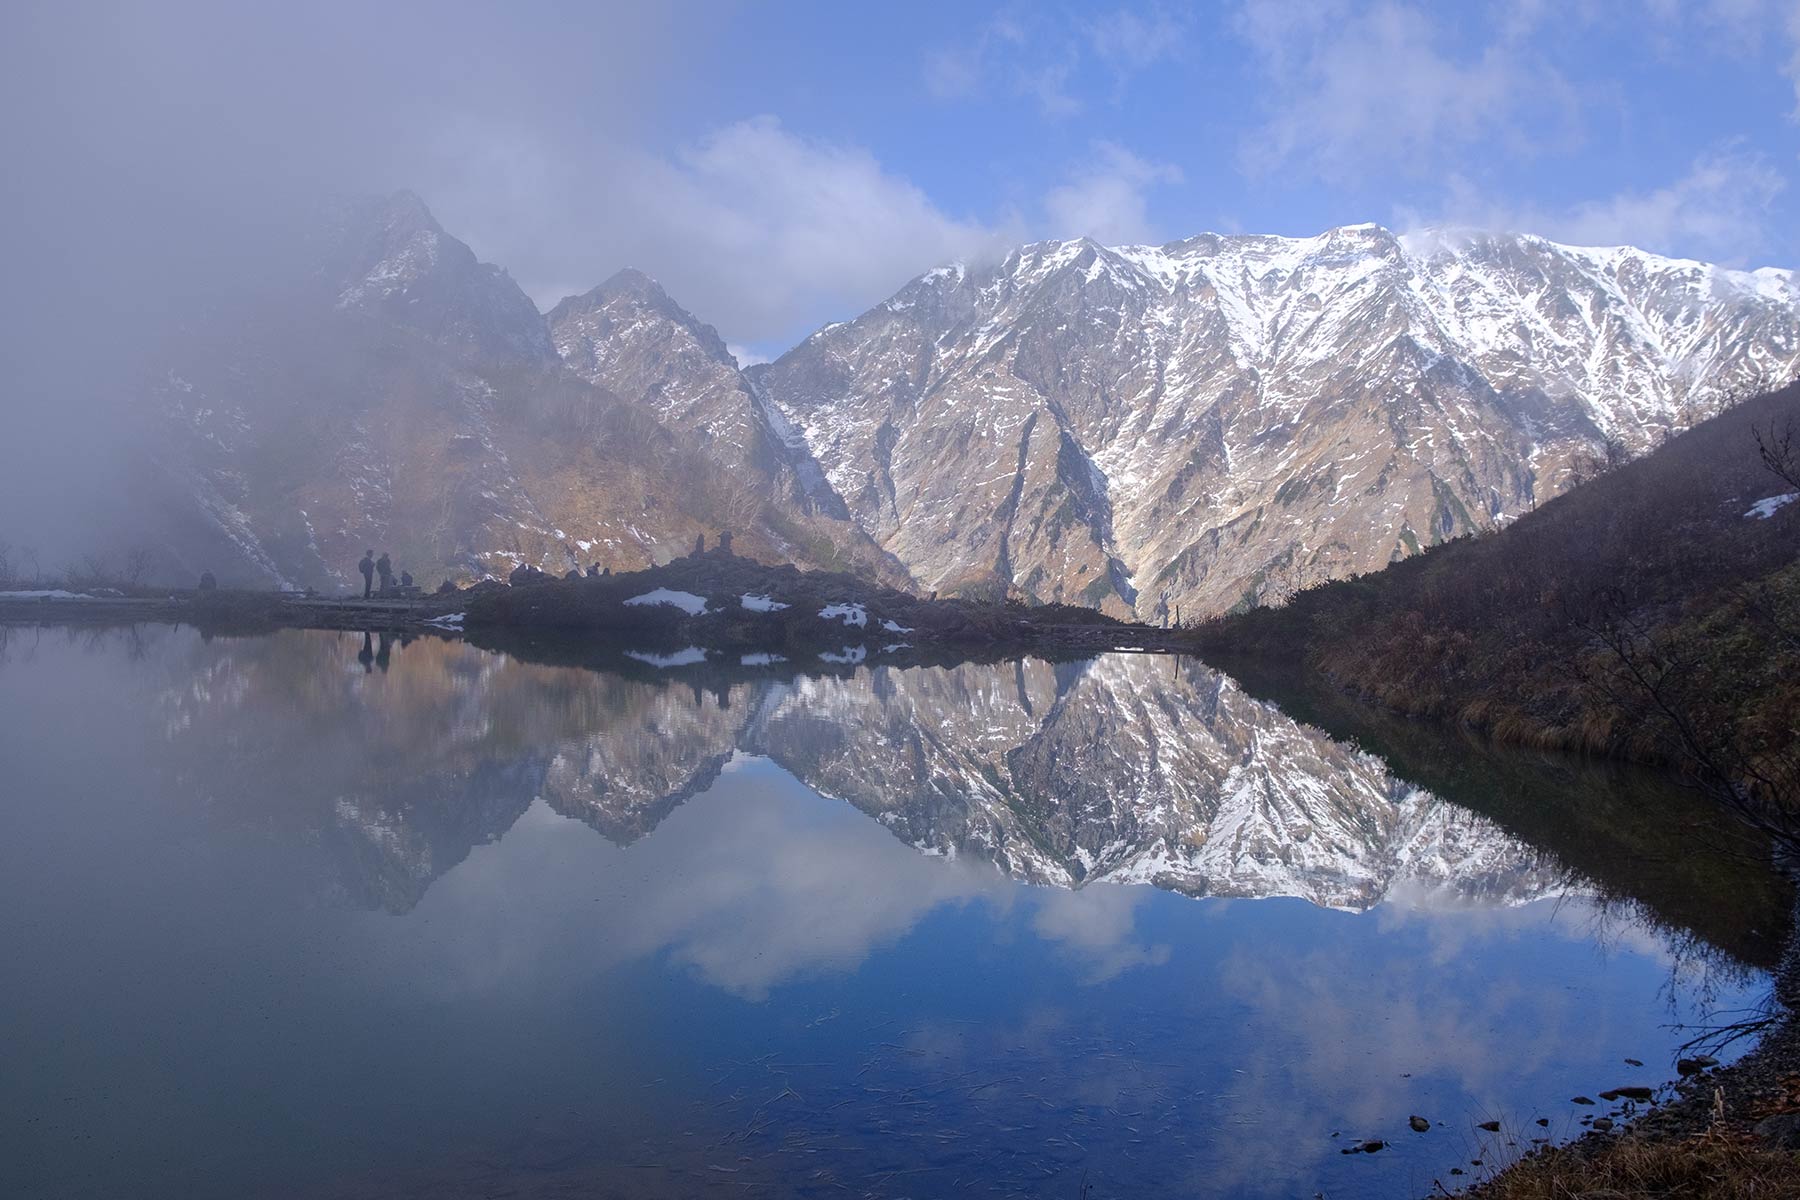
point(367, 567)
point(385, 653)
point(367, 655)
point(384, 567)
point(406, 579)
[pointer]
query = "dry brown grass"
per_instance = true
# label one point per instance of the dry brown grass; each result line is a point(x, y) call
point(1708, 1167)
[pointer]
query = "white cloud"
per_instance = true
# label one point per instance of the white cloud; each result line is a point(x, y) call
point(1129, 41)
point(1358, 90)
point(1793, 62)
point(746, 357)
point(1719, 210)
point(764, 232)
point(1040, 58)
point(1004, 55)
point(1107, 199)
point(755, 228)
point(1098, 925)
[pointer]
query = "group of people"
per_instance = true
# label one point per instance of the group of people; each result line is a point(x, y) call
point(370, 566)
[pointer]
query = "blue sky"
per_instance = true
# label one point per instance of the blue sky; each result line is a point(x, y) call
point(781, 165)
point(1670, 126)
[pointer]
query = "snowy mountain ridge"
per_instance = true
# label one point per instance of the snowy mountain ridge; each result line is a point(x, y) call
point(1189, 420)
point(1194, 426)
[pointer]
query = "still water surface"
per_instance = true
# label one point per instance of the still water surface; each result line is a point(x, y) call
point(283, 918)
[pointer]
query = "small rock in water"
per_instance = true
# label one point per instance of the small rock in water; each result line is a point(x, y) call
point(1603, 1123)
point(1612, 1095)
point(1544, 1121)
point(1372, 1147)
point(1490, 1126)
point(1632, 1093)
point(1634, 1062)
point(1582, 1100)
point(1419, 1124)
point(1456, 1170)
point(1695, 1065)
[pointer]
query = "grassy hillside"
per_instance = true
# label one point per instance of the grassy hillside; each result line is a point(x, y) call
point(1642, 615)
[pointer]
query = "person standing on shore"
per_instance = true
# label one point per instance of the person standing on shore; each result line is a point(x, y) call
point(367, 567)
point(384, 567)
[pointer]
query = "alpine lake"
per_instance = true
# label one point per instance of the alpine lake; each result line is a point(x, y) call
point(333, 915)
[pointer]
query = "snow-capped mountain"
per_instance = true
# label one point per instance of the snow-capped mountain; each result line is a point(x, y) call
point(1221, 419)
point(629, 337)
point(1198, 425)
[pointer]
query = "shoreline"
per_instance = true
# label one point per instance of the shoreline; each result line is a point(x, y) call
point(1730, 1131)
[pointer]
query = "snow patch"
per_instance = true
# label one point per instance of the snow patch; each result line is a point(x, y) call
point(895, 627)
point(448, 621)
point(687, 602)
point(45, 594)
point(1765, 508)
point(849, 654)
point(762, 660)
point(681, 658)
point(761, 603)
point(850, 614)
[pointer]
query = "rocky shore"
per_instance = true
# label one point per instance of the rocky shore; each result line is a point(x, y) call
point(716, 600)
point(1731, 1131)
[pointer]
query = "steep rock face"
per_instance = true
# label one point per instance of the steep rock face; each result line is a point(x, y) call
point(399, 395)
point(390, 259)
point(1225, 418)
point(629, 337)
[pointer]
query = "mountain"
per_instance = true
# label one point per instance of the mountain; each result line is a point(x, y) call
point(391, 391)
point(1221, 420)
point(1197, 426)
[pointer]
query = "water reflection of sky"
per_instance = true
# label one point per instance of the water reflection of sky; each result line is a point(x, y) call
point(767, 992)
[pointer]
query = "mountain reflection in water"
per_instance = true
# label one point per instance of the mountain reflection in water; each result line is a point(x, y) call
point(789, 962)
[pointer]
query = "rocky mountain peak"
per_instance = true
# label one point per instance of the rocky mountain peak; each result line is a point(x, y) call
point(630, 308)
point(394, 261)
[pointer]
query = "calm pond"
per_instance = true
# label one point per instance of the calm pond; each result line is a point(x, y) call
point(301, 915)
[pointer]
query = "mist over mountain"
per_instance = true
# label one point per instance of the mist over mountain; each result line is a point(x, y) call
point(1200, 425)
point(397, 393)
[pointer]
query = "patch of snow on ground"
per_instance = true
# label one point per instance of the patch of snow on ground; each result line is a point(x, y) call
point(893, 646)
point(45, 594)
point(447, 621)
point(893, 626)
point(762, 660)
point(681, 658)
point(850, 654)
point(761, 603)
point(686, 601)
point(1763, 509)
point(852, 614)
